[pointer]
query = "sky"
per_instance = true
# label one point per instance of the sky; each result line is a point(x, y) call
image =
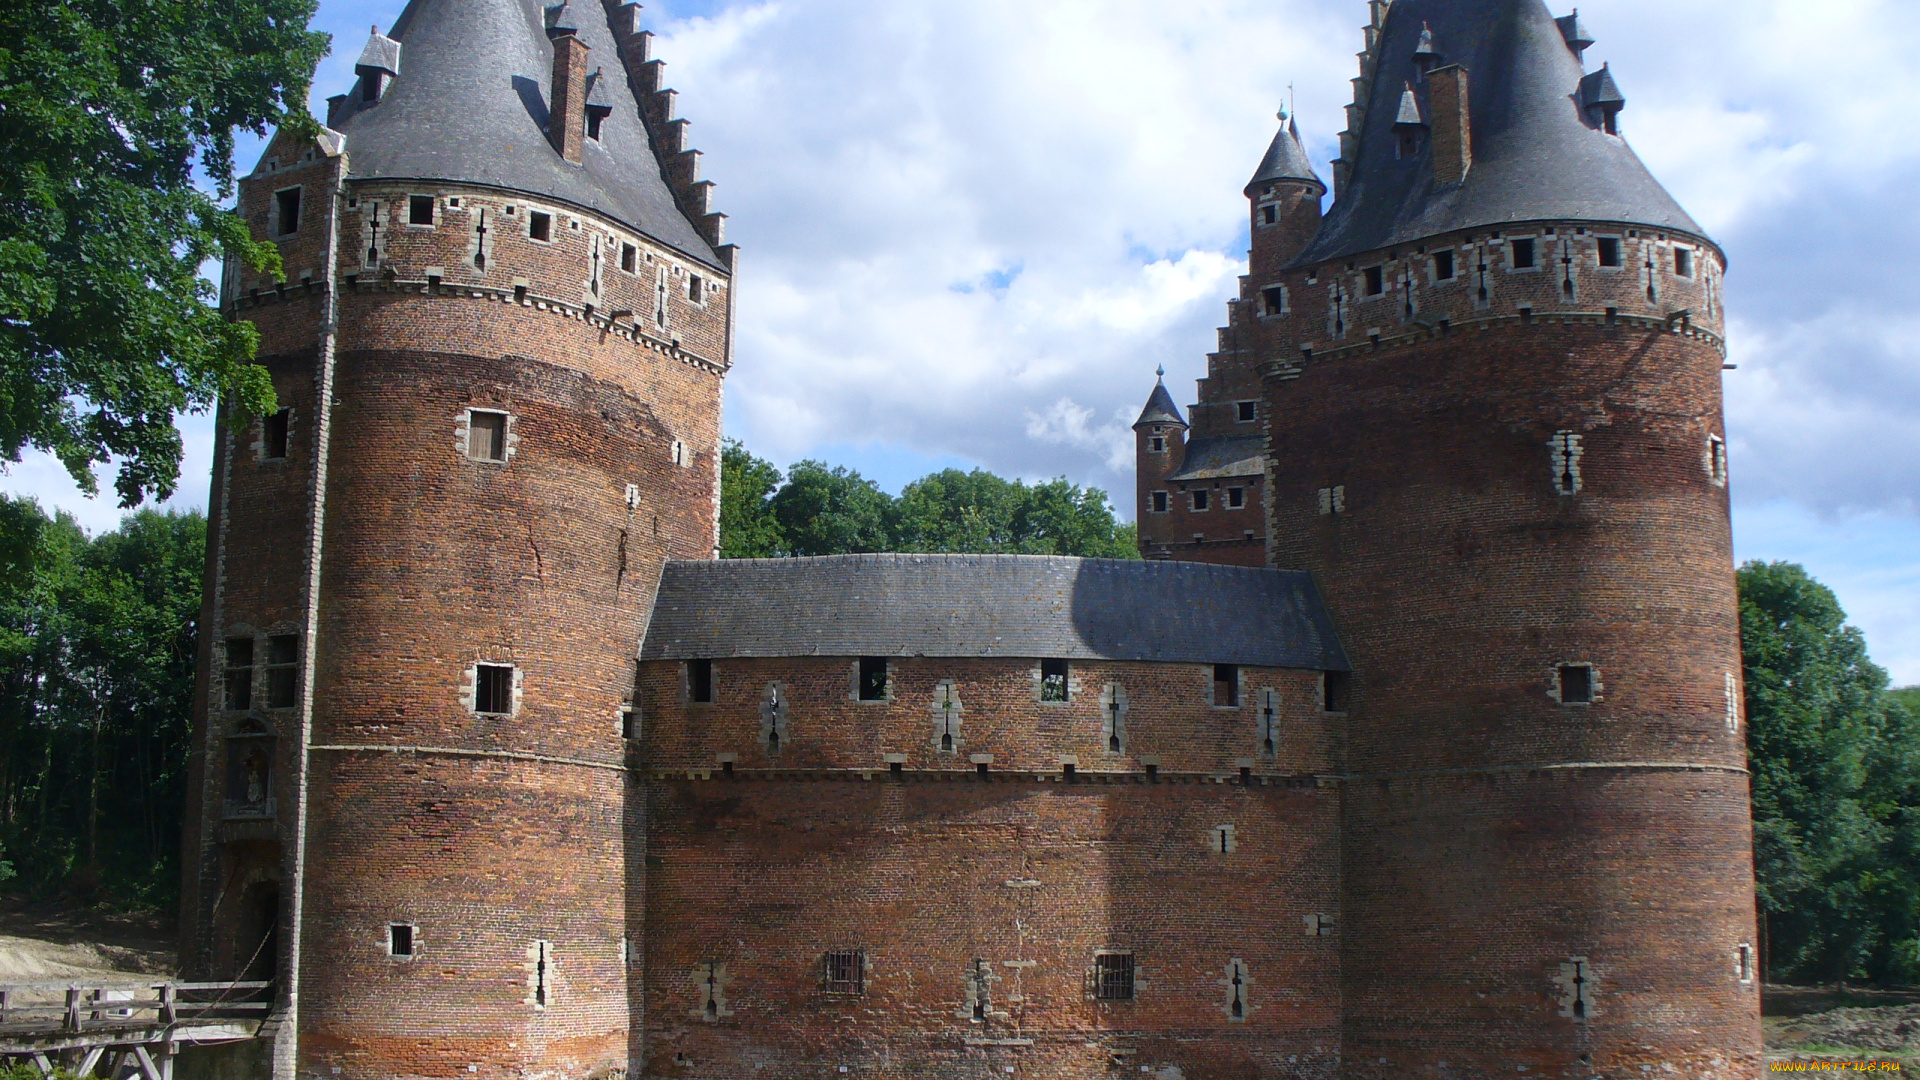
point(971, 231)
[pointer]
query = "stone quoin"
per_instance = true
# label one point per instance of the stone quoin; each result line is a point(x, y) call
point(1412, 748)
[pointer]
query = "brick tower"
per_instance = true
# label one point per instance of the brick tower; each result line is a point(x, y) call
point(1490, 398)
point(499, 348)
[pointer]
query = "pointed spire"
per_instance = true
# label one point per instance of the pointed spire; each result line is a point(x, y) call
point(1424, 56)
point(1409, 116)
point(598, 98)
point(1286, 159)
point(1575, 32)
point(1160, 407)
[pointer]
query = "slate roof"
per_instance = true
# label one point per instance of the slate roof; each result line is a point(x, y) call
point(470, 105)
point(990, 605)
point(1222, 456)
point(1286, 160)
point(1537, 155)
point(1160, 408)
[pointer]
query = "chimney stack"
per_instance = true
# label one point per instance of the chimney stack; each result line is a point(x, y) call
point(567, 116)
point(1452, 124)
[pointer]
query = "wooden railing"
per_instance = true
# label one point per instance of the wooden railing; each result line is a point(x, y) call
point(78, 1008)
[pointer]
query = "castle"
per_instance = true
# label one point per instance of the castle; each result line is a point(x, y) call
point(1413, 749)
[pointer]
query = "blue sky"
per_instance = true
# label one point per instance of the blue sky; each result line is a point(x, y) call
point(971, 231)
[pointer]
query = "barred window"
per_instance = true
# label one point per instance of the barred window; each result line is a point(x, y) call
point(844, 971)
point(1113, 976)
point(493, 689)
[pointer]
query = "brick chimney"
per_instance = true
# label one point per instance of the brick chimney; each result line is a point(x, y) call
point(567, 117)
point(1452, 124)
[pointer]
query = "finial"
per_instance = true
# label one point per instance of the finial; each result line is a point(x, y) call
point(1160, 373)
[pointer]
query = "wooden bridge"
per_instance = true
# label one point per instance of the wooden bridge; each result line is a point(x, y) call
point(132, 1029)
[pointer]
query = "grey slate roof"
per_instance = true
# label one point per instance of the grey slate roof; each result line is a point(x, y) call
point(471, 106)
point(990, 605)
point(1222, 456)
point(1160, 408)
point(1537, 155)
point(1286, 160)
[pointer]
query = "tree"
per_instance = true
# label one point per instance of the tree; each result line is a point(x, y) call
point(1836, 781)
point(832, 511)
point(980, 512)
point(106, 108)
point(748, 529)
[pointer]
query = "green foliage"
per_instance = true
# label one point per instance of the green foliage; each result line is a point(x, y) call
point(1836, 787)
point(106, 108)
point(823, 510)
point(97, 650)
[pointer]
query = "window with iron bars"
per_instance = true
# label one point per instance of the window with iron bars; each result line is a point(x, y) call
point(844, 971)
point(1113, 976)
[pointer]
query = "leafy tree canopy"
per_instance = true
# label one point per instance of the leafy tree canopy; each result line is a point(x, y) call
point(816, 509)
point(106, 108)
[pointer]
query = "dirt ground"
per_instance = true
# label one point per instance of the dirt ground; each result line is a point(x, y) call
point(1824, 1024)
point(40, 944)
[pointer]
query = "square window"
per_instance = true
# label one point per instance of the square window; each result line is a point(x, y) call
point(873, 678)
point(419, 209)
point(1053, 680)
point(1201, 500)
point(629, 257)
point(1376, 280)
point(1683, 261)
point(283, 673)
point(1523, 254)
point(1236, 498)
point(1443, 266)
point(1269, 214)
point(239, 677)
point(1275, 298)
point(700, 681)
point(844, 971)
point(696, 289)
point(1336, 687)
point(400, 939)
point(1226, 686)
point(1159, 502)
point(1113, 976)
point(273, 434)
point(1244, 411)
point(1576, 684)
point(286, 205)
point(493, 689)
point(540, 225)
point(486, 436)
point(1610, 251)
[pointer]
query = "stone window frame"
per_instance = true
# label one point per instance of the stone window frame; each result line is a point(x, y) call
point(1240, 406)
point(1157, 440)
point(470, 688)
point(1266, 209)
point(1223, 839)
point(1236, 966)
point(696, 284)
point(1266, 293)
point(433, 210)
point(1716, 461)
point(1509, 246)
point(1237, 498)
point(1097, 987)
point(463, 434)
point(686, 681)
point(1745, 967)
point(1159, 502)
point(413, 941)
point(534, 212)
point(1692, 253)
point(886, 667)
point(273, 212)
point(680, 453)
point(1319, 924)
point(1196, 496)
point(260, 455)
point(1595, 687)
point(1433, 266)
point(1620, 241)
point(1239, 691)
point(1363, 282)
point(1039, 682)
point(542, 965)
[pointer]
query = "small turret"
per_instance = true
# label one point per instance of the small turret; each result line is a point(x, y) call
point(1408, 124)
point(1285, 195)
point(1160, 447)
point(1600, 96)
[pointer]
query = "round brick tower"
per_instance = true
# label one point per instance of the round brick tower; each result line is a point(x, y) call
point(500, 348)
point(1495, 435)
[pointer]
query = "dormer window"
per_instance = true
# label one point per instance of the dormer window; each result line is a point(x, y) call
point(594, 116)
point(371, 83)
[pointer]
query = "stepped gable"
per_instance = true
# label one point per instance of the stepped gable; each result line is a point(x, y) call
point(470, 103)
point(1286, 159)
point(1537, 153)
point(990, 605)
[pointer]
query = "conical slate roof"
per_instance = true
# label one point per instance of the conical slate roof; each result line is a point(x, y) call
point(1160, 408)
point(1286, 160)
point(1537, 154)
point(470, 106)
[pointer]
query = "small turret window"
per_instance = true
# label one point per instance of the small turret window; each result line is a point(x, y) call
point(540, 226)
point(1610, 251)
point(1523, 255)
point(1683, 262)
point(1157, 444)
point(1269, 214)
point(1275, 299)
point(1202, 498)
point(1443, 266)
point(419, 209)
point(1376, 280)
point(286, 207)
point(1159, 502)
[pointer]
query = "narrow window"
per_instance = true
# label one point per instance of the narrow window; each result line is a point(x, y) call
point(419, 209)
point(660, 298)
point(239, 673)
point(1156, 444)
point(1336, 687)
point(1610, 251)
point(1269, 214)
point(873, 678)
point(1566, 452)
point(1743, 962)
point(1113, 707)
point(542, 973)
point(1236, 498)
point(1236, 990)
point(1576, 989)
point(1576, 684)
point(540, 225)
point(696, 288)
point(1201, 499)
point(493, 689)
point(486, 435)
point(1053, 680)
point(1443, 266)
point(1223, 840)
point(594, 116)
point(629, 257)
point(1160, 502)
point(286, 204)
point(1376, 281)
point(712, 977)
point(978, 980)
point(1244, 411)
point(1333, 500)
point(947, 711)
point(700, 681)
point(1269, 723)
point(1226, 685)
point(273, 434)
point(1523, 254)
point(1717, 460)
point(1275, 297)
point(1683, 262)
point(283, 650)
point(1113, 976)
point(845, 971)
point(400, 939)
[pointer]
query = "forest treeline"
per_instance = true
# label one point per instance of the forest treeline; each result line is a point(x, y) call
point(96, 678)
